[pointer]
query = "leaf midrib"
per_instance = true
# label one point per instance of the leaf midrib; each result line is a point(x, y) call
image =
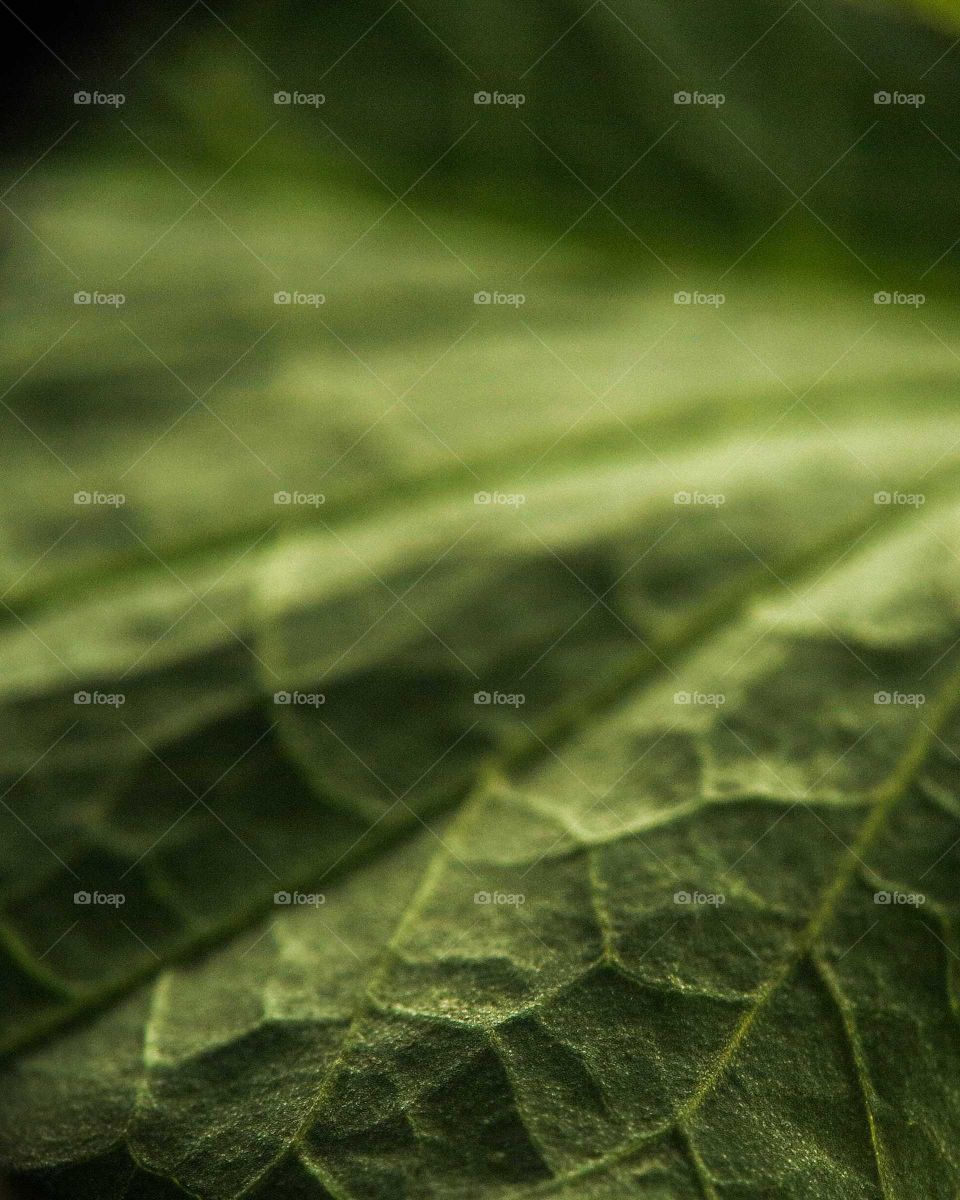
point(382, 961)
point(604, 442)
point(563, 725)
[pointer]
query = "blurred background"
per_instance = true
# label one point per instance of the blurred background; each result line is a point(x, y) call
point(596, 84)
point(597, 159)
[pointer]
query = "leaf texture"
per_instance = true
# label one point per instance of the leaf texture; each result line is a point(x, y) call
point(562, 800)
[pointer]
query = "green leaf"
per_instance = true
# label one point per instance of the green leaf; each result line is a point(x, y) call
point(401, 1037)
point(556, 794)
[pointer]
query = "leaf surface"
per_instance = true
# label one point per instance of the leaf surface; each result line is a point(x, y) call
point(557, 794)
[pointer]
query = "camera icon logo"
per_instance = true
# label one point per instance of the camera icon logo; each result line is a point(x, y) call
point(882, 297)
point(281, 298)
point(281, 97)
point(881, 897)
point(81, 897)
point(481, 897)
point(281, 897)
point(81, 697)
point(882, 498)
point(481, 697)
point(281, 697)
point(81, 97)
point(681, 697)
point(82, 497)
point(681, 897)
point(682, 497)
point(681, 98)
point(481, 297)
point(282, 497)
point(81, 297)
point(482, 98)
point(881, 98)
point(682, 298)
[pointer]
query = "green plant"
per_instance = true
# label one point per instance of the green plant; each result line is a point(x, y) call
point(490, 749)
